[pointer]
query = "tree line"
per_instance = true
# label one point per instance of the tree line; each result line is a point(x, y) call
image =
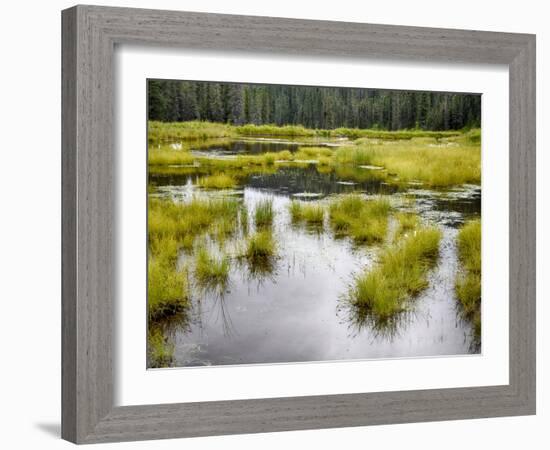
point(312, 107)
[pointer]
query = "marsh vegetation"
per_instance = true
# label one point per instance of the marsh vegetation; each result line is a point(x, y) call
point(273, 243)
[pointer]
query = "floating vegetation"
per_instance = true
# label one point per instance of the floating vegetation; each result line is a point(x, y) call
point(468, 283)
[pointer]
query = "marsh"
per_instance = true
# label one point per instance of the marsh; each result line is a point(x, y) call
point(268, 247)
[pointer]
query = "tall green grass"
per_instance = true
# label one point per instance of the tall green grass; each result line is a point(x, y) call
point(174, 226)
point(211, 272)
point(263, 214)
point(401, 273)
point(168, 292)
point(274, 130)
point(364, 220)
point(168, 156)
point(310, 213)
point(192, 130)
point(468, 282)
point(217, 181)
point(160, 351)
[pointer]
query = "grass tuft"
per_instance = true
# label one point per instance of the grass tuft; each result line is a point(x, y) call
point(468, 283)
point(263, 215)
point(400, 274)
point(310, 213)
point(364, 220)
point(210, 271)
point(218, 181)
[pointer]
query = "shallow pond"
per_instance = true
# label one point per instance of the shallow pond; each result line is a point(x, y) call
point(295, 311)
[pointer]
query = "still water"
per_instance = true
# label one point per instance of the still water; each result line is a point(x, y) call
point(296, 312)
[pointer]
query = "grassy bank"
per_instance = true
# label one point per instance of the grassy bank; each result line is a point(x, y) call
point(401, 273)
point(195, 130)
point(468, 282)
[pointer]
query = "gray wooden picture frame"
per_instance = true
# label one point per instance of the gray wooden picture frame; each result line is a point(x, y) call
point(90, 34)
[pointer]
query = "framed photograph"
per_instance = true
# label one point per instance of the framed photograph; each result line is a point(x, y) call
point(268, 230)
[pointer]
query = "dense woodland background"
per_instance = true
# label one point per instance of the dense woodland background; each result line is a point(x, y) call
point(312, 107)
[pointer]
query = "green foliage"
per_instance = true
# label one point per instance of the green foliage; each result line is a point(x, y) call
point(406, 222)
point(400, 274)
point(217, 181)
point(298, 110)
point(310, 213)
point(263, 214)
point(167, 292)
point(210, 271)
point(260, 246)
point(273, 130)
point(192, 130)
point(160, 352)
point(364, 220)
point(468, 283)
point(353, 155)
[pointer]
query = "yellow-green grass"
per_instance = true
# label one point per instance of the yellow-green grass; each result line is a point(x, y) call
point(468, 282)
point(309, 153)
point(356, 156)
point(263, 213)
point(436, 166)
point(310, 213)
point(406, 223)
point(260, 246)
point(192, 130)
point(217, 181)
point(356, 133)
point(167, 290)
point(274, 130)
point(211, 271)
point(161, 131)
point(364, 220)
point(400, 274)
point(185, 221)
point(168, 156)
point(161, 353)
